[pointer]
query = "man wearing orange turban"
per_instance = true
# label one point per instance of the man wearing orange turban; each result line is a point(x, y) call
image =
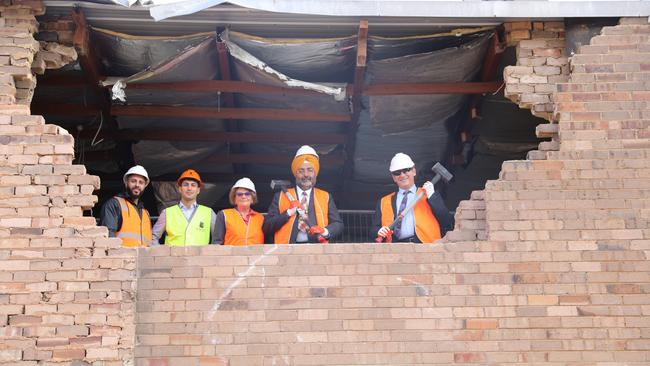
point(310, 215)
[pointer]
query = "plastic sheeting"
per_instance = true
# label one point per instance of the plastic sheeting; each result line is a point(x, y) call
point(124, 54)
point(413, 124)
point(394, 114)
point(313, 60)
point(196, 62)
point(416, 125)
point(389, 47)
point(247, 67)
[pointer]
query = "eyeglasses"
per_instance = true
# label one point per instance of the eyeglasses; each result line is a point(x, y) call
point(397, 173)
point(241, 194)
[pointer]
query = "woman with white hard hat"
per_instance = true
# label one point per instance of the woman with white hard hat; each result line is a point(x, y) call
point(240, 225)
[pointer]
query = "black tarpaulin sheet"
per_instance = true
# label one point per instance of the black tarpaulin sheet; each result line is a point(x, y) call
point(124, 54)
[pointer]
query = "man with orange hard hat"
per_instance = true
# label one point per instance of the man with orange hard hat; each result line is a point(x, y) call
point(187, 223)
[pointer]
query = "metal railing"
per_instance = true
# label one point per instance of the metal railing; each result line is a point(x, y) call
point(356, 226)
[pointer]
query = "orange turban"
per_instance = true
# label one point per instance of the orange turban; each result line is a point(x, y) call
point(307, 158)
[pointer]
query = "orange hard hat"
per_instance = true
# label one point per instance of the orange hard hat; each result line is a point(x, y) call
point(189, 174)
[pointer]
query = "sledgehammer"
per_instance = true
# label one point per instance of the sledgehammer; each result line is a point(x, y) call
point(441, 173)
point(282, 185)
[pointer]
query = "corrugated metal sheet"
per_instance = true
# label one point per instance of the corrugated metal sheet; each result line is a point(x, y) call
point(137, 21)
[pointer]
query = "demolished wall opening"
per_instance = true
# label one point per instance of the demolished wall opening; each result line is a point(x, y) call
point(158, 109)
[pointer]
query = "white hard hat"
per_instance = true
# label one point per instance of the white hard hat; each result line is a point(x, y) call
point(139, 170)
point(306, 150)
point(401, 161)
point(244, 183)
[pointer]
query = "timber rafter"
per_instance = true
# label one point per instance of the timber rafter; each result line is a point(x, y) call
point(247, 137)
point(357, 88)
point(225, 113)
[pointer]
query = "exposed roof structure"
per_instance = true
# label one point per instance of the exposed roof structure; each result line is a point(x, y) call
point(233, 91)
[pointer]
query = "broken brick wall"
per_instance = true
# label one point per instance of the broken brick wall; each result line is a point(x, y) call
point(561, 277)
point(66, 290)
point(541, 64)
point(560, 273)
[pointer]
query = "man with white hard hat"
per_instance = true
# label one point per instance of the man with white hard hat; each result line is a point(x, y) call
point(124, 215)
point(186, 223)
point(310, 215)
point(240, 225)
point(426, 222)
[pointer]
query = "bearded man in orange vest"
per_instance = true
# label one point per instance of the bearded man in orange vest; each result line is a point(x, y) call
point(310, 216)
point(426, 222)
point(124, 215)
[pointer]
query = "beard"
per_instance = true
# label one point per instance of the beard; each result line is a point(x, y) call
point(133, 196)
point(306, 183)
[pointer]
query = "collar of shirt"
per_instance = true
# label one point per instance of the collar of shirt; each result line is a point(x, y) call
point(413, 190)
point(299, 193)
point(184, 208)
point(247, 216)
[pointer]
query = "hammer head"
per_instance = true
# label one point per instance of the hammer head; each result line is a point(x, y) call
point(277, 184)
point(441, 171)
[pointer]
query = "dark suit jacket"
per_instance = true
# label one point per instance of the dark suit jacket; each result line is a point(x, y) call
point(438, 207)
point(275, 219)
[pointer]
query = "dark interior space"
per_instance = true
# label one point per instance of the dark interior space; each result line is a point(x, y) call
point(232, 104)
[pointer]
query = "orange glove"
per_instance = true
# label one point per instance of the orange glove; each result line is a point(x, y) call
point(316, 230)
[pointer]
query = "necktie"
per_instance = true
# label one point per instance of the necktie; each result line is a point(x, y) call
point(402, 206)
point(303, 224)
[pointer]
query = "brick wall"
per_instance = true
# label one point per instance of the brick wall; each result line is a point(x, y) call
point(66, 290)
point(541, 64)
point(560, 274)
point(563, 278)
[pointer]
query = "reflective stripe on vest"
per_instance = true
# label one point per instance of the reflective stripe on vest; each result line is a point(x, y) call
point(240, 233)
point(181, 233)
point(135, 230)
point(321, 204)
point(427, 228)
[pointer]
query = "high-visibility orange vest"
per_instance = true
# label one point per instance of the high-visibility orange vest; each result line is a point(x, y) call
point(321, 204)
point(135, 230)
point(427, 228)
point(240, 233)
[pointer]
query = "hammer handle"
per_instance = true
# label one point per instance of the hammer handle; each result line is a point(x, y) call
point(436, 179)
point(286, 193)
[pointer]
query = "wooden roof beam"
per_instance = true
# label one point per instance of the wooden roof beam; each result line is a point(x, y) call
point(224, 71)
point(225, 86)
point(228, 98)
point(332, 160)
point(357, 88)
point(372, 90)
point(226, 113)
point(432, 88)
point(274, 159)
point(87, 57)
point(248, 137)
point(61, 109)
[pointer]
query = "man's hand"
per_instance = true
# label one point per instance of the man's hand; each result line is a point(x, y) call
point(292, 211)
point(384, 231)
point(317, 230)
point(428, 187)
